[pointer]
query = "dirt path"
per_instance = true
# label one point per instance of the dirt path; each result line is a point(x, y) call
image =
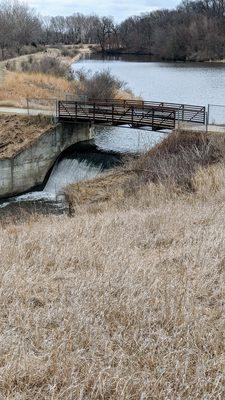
point(50, 52)
point(24, 111)
point(17, 61)
point(16, 86)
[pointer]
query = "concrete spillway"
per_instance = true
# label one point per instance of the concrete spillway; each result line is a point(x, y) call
point(29, 167)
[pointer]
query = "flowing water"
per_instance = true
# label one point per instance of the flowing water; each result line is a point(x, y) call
point(191, 83)
point(78, 163)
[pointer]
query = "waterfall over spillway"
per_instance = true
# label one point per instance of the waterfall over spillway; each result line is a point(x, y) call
point(65, 172)
point(70, 171)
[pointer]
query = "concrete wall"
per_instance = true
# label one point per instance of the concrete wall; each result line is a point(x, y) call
point(29, 168)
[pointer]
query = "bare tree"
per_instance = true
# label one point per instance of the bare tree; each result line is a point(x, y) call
point(19, 26)
point(105, 29)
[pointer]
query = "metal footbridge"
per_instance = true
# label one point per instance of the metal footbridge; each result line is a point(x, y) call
point(133, 113)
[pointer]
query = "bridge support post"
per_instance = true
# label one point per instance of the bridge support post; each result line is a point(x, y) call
point(113, 114)
point(153, 117)
point(76, 110)
point(132, 115)
point(94, 110)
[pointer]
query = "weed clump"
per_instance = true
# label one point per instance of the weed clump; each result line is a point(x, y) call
point(45, 65)
point(100, 85)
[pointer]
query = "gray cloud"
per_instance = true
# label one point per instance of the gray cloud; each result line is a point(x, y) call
point(120, 9)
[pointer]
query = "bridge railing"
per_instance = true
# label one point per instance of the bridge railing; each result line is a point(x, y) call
point(118, 113)
point(184, 112)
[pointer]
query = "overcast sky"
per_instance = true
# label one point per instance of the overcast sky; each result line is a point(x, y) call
point(119, 9)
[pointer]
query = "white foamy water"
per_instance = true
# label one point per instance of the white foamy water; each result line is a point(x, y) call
point(67, 171)
point(70, 171)
point(31, 196)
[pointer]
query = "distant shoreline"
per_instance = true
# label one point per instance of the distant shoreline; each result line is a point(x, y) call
point(88, 49)
point(154, 58)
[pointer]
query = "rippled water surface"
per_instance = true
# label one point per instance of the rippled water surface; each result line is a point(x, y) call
point(190, 83)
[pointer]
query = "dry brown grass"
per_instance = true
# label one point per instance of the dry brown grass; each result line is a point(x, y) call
point(172, 163)
point(18, 86)
point(122, 302)
point(18, 132)
point(105, 188)
point(126, 95)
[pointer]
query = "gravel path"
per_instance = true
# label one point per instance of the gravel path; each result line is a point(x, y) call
point(24, 111)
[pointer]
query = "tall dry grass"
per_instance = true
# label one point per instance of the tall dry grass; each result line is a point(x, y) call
point(171, 164)
point(47, 75)
point(124, 303)
point(19, 86)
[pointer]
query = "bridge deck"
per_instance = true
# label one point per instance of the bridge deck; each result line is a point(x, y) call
point(138, 114)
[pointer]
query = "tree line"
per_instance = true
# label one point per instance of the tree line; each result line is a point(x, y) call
point(195, 30)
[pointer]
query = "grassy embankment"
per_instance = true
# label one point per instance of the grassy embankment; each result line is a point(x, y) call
point(17, 86)
point(19, 132)
point(126, 300)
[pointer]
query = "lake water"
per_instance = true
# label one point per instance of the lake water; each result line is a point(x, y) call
point(191, 83)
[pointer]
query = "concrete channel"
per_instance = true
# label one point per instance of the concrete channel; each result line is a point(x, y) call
point(29, 168)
